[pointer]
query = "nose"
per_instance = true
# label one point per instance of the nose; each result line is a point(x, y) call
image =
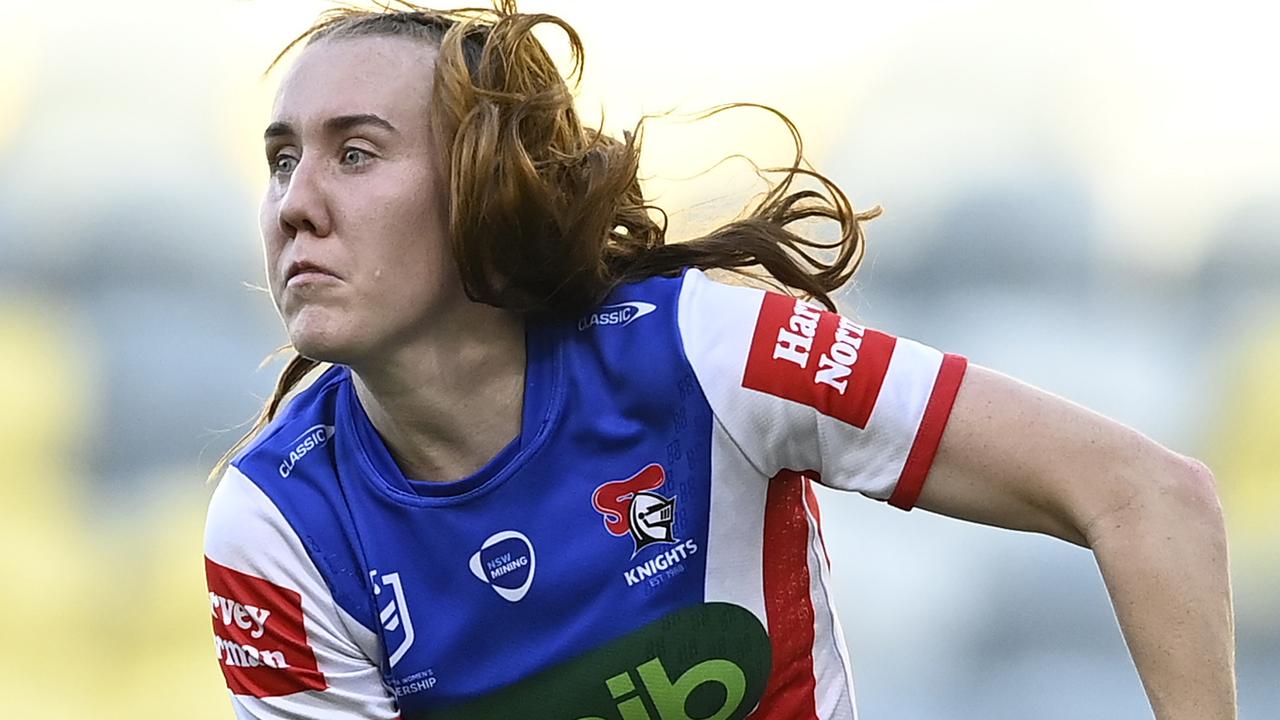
point(304, 207)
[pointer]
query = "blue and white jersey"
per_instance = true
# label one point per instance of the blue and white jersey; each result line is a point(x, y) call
point(647, 549)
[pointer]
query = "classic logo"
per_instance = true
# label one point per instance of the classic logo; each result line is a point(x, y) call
point(258, 635)
point(629, 508)
point(817, 358)
point(312, 438)
point(620, 314)
point(394, 616)
point(505, 562)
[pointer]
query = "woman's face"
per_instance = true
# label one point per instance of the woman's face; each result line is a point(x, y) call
point(355, 194)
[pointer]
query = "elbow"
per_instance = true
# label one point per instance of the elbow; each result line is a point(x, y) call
point(1197, 491)
point(1176, 495)
point(1194, 485)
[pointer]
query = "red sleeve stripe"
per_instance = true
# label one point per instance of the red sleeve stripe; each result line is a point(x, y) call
point(788, 607)
point(936, 413)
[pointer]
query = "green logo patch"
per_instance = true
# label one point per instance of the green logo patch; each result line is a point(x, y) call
point(706, 662)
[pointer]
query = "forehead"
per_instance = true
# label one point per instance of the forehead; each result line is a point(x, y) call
point(386, 76)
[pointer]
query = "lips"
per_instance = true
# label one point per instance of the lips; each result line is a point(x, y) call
point(297, 267)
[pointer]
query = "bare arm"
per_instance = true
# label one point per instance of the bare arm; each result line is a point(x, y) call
point(1017, 457)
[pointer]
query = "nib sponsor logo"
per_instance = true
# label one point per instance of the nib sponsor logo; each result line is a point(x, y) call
point(817, 358)
point(259, 638)
point(312, 438)
point(708, 661)
point(722, 678)
point(631, 508)
point(621, 314)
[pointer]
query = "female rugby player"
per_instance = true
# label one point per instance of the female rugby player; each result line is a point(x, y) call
point(550, 469)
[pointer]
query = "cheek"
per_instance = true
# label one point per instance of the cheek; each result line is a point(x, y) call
point(412, 282)
point(418, 250)
point(269, 228)
point(267, 218)
point(405, 277)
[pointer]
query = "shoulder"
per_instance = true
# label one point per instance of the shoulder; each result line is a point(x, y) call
point(630, 302)
point(717, 320)
point(668, 308)
point(287, 647)
point(280, 508)
point(631, 329)
point(261, 588)
point(245, 530)
point(306, 423)
point(247, 522)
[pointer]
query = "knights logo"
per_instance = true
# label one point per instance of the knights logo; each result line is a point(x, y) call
point(630, 507)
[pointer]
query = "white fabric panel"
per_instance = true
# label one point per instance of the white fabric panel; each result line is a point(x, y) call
point(735, 554)
point(870, 461)
point(717, 322)
point(246, 532)
point(833, 693)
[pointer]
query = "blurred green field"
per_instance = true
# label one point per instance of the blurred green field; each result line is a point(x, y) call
point(104, 617)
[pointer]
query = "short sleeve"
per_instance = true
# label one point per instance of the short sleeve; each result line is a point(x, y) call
point(799, 388)
point(286, 649)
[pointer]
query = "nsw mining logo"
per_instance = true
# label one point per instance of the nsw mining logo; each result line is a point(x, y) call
point(505, 562)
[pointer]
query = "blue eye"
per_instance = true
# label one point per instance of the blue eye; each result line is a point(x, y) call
point(283, 164)
point(359, 154)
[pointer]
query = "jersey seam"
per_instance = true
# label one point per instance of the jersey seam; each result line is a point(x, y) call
point(316, 562)
point(684, 356)
point(314, 554)
point(836, 641)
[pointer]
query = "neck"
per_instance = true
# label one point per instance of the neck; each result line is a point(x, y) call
point(446, 403)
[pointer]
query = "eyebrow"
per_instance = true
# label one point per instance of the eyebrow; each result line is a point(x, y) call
point(333, 125)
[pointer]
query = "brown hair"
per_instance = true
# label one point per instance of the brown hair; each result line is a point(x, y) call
point(547, 216)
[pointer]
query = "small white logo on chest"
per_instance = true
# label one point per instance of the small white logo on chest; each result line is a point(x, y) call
point(621, 314)
point(395, 614)
point(505, 562)
point(312, 438)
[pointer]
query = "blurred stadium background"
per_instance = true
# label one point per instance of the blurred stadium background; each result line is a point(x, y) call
point(1083, 195)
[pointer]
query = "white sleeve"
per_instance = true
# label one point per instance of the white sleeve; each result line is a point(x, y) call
point(799, 388)
point(285, 647)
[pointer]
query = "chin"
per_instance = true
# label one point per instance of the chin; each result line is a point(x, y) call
point(322, 350)
point(323, 342)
